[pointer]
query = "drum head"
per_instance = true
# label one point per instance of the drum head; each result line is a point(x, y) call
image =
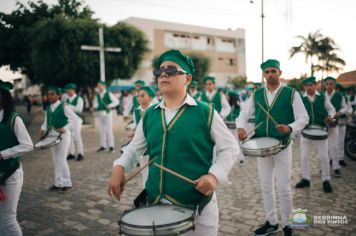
point(315, 132)
point(260, 143)
point(160, 215)
point(46, 142)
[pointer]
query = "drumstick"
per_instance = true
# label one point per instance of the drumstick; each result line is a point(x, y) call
point(175, 174)
point(257, 126)
point(139, 170)
point(267, 114)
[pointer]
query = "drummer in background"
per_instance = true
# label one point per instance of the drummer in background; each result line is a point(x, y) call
point(174, 131)
point(342, 124)
point(350, 94)
point(59, 117)
point(133, 104)
point(320, 111)
point(211, 95)
point(193, 90)
point(76, 103)
point(104, 102)
point(338, 101)
point(286, 107)
point(234, 102)
point(14, 141)
point(145, 99)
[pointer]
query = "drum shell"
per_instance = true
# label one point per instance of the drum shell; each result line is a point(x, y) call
point(343, 121)
point(333, 123)
point(314, 137)
point(262, 152)
point(230, 124)
point(175, 228)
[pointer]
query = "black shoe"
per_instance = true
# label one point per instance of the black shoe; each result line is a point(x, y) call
point(331, 162)
point(242, 161)
point(337, 173)
point(54, 188)
point(342, 163)
point(65, 189)
point(101, 149)
point(70, 157)
point(80, 157)
point(287, 231)
point(111, 150)
point(266, 229)
point(327, 187)
point(303, 183)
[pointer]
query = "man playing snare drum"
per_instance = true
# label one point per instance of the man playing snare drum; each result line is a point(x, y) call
point(320, 111)
point(285, 105)
point(180, 133)
point(58, 118)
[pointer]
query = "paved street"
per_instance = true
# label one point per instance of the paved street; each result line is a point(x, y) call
point(88, 210)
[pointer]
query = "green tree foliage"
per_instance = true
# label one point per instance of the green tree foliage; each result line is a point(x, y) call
point(320, 51)
point(238, 82)
point(47, 39)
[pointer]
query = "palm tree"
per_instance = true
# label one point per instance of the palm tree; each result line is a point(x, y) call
point(309, 47)
point(321, 51)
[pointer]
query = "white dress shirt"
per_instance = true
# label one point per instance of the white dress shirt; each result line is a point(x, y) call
point(72, 117)
point(225, 106)
point(301, 118)
point(343, 108)
point(80, 104)
point(226, 147)
point(327, 104)
point(114, 101)
point(25, 142)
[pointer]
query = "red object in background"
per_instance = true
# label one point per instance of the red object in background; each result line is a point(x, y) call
point(2, 195)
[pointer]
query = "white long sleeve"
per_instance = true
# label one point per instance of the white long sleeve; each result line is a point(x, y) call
point(25, 142)
point(226, 147)
point(80, 104)
point(329, 107)
point(225, 107)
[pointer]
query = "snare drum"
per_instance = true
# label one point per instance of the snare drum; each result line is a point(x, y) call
point(230, 124)
point(315, 132)
point(333, 123)
point(157, 220)
point(51, 139)
point(261, 147)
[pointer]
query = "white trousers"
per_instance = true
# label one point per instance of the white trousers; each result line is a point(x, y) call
point(322, 152)
point(8, 209)
point(333, 143)
point(106, 131)
point(76, 139)
point(342, 133)
point(207, 224)
point(59, 156)
point(276, 169)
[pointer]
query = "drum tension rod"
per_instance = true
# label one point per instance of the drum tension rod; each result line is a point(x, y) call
point(154, 228)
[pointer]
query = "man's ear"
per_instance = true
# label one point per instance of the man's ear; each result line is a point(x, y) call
point(280, 72)
point(188, 79)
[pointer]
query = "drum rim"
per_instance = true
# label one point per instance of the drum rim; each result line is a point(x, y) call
point(189, 219)
point(314, 137)
point(275, 146)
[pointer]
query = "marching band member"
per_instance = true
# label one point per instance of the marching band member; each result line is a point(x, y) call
point(104, 102)
point(338, 101)
point(133, 104)
point(193, 90)
point(211, 95)
point(59, 118)
point(76, 103)
point(180, 121)
point(14, 141)
point(320, 111)
point(285, 105)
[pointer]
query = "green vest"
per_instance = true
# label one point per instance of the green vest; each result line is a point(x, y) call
point(216, 100)
point(316, 109)
point(74, 102)
point(135, 104)
point(235, 112)
point(336, 100)
point(281, 110)
point(184, 146)
point(8, 139)
point(138, 115)
point(56, 119)
point(103, 102)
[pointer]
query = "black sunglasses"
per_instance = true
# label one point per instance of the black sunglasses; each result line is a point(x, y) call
point(170, 70)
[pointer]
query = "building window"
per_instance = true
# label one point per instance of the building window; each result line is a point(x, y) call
point(232, 62)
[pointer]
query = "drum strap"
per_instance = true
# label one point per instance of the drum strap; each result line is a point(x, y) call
point(203, 203)
point(8, 173)
point(141, 199)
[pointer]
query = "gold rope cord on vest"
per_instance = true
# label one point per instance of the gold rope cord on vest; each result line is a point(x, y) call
point(267, 113)
point(210, 117)
point(175, 119)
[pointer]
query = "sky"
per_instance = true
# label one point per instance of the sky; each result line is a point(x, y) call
point(284, 19)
